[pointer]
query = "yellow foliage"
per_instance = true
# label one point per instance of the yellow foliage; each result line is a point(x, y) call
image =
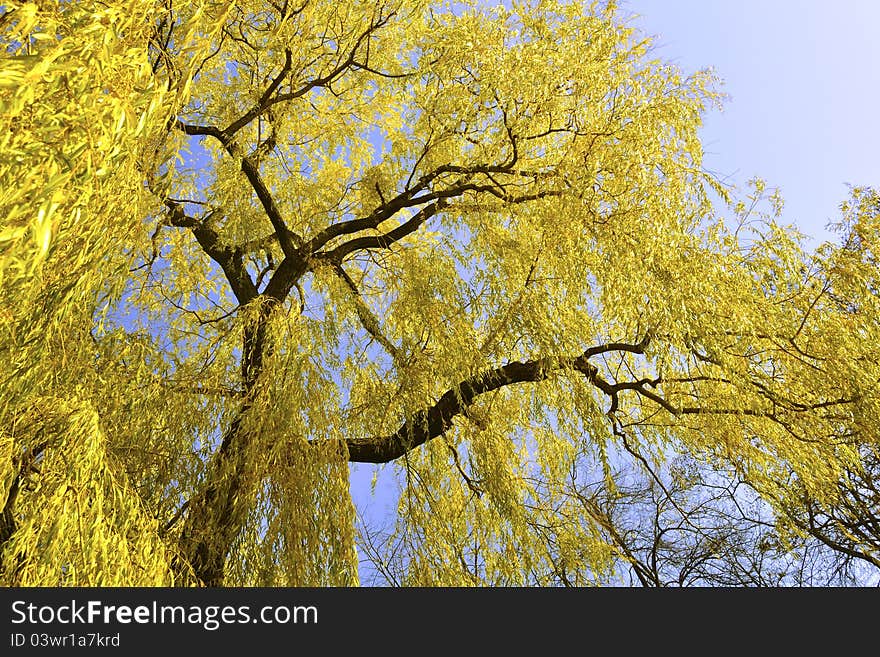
point(245, 243)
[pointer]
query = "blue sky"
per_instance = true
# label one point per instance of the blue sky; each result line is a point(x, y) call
point(804, 85)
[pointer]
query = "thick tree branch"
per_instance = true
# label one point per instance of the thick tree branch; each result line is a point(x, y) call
point(408, 199)
point(231, 261)
point(385, 240)
point(201, 131)
point(288, 239)
point(436, 420)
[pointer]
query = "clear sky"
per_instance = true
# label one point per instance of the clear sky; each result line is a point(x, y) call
point(803, 78)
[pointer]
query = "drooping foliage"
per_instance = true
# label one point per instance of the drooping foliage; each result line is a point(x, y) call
point(248, 243)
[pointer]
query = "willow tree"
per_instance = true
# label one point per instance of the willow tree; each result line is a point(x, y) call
point(248, 243)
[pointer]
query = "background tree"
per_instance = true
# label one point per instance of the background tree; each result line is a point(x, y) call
point(256, 241)
point(682, 525)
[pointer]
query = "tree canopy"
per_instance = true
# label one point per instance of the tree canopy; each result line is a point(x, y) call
point(246, 244)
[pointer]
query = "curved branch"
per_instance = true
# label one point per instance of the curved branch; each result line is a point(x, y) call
point(435, 421)
point(408, 199)
point(231, 261)
point(385, 240)
point(264, 103)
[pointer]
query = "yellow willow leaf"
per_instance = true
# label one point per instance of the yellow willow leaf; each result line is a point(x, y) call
point(43, 228)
